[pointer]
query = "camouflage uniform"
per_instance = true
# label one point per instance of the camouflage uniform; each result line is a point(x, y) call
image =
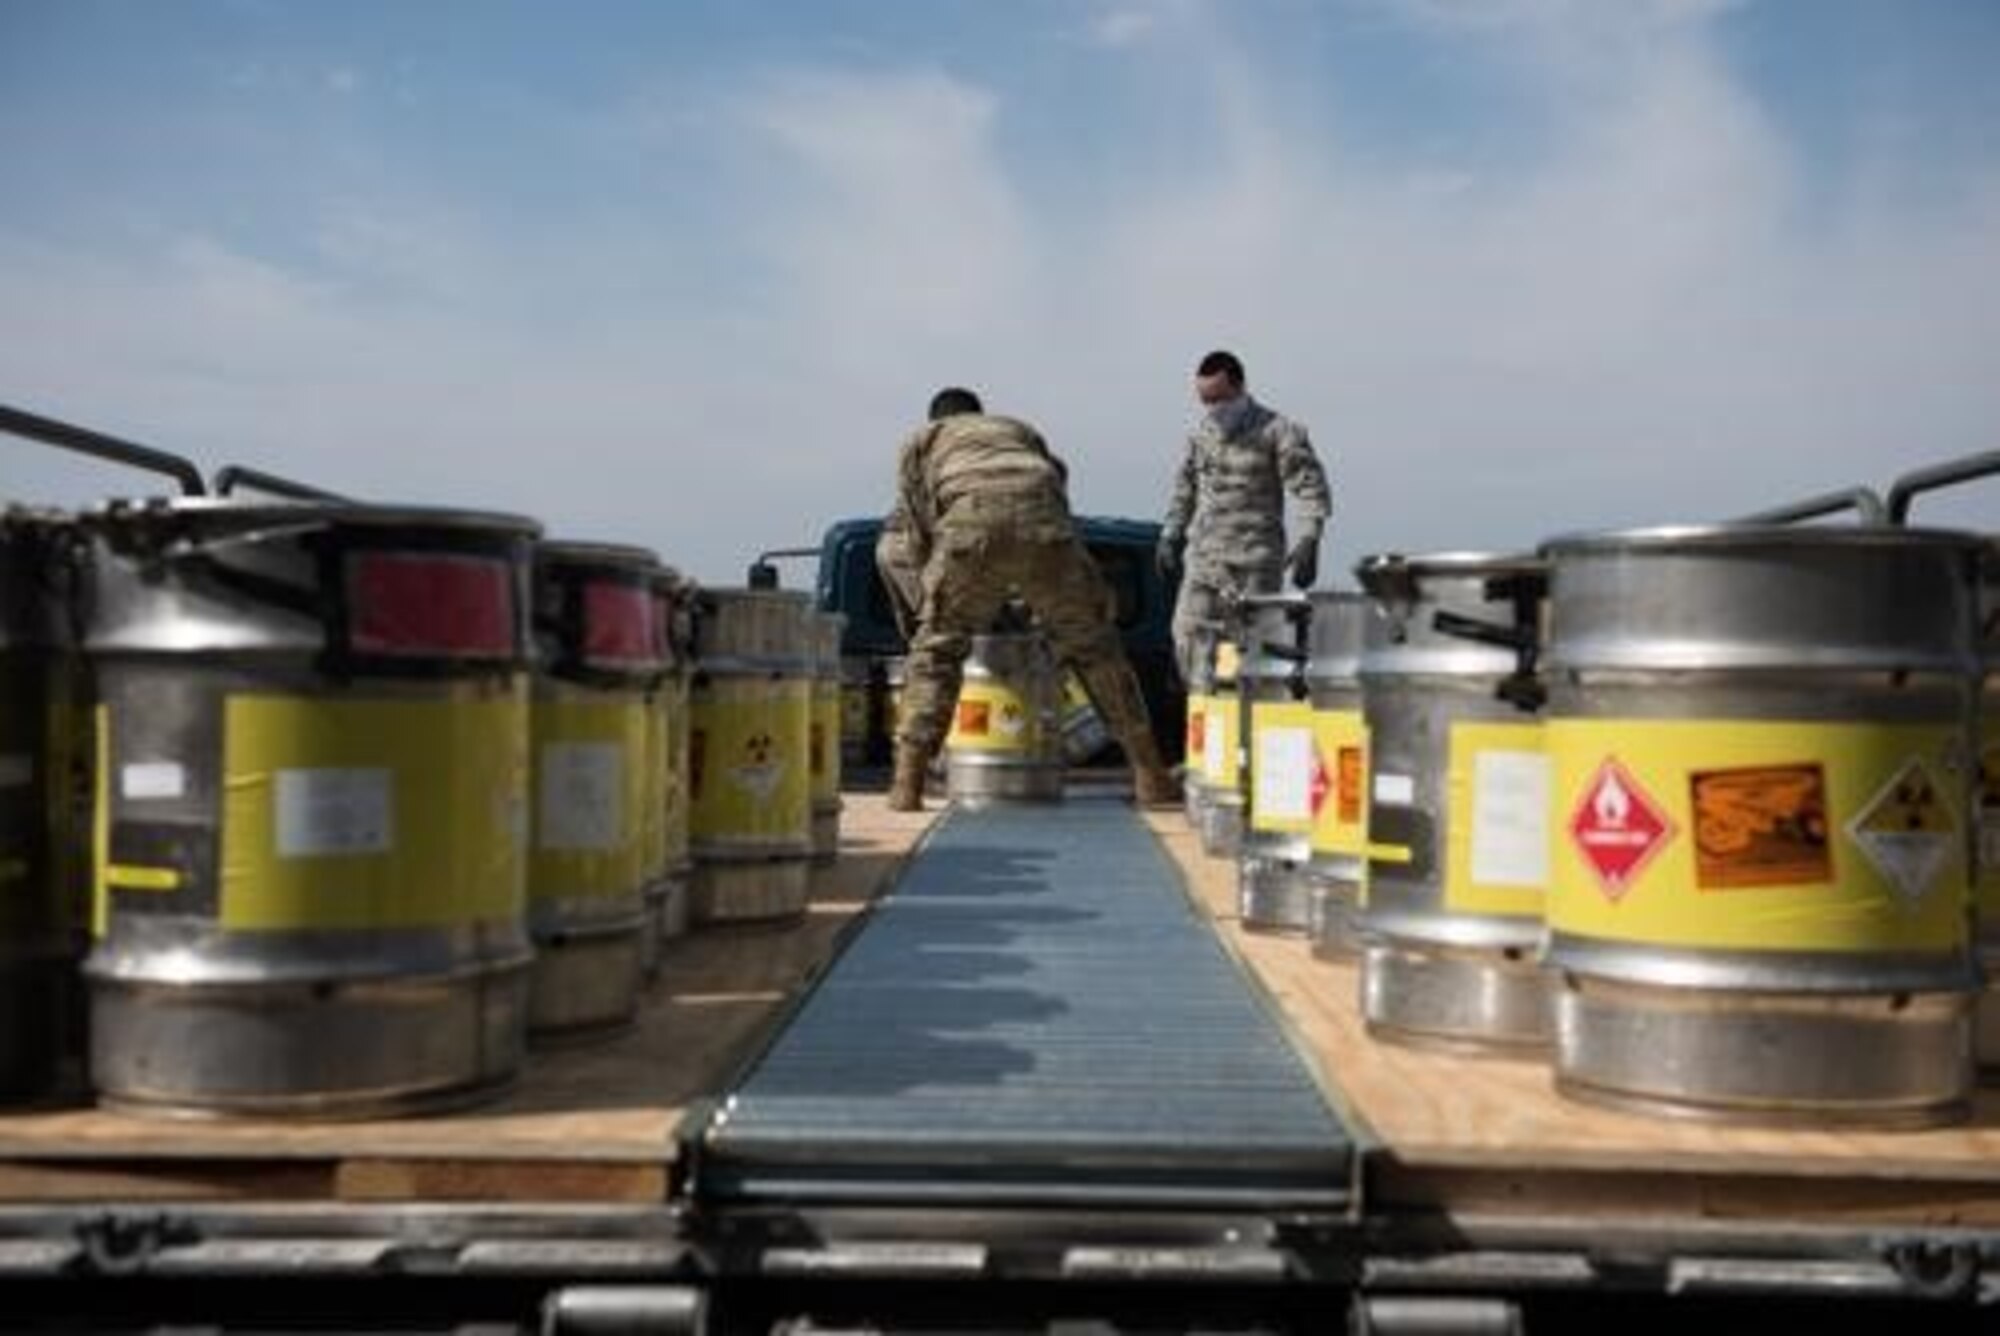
point(984, 507)
point(1228, 509)
point(902, 572)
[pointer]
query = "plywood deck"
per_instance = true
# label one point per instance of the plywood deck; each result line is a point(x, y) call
point(585, 1124)
point(1492, 1134)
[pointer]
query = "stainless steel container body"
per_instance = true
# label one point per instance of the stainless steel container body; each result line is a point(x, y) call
point(602, 663)
point(310, 774)
point(751, 829)
point(1988, 893)
point(1276, 844)
point(1761, 742)
point(1337, 868)
point(1005, 744)
point(1450, 954)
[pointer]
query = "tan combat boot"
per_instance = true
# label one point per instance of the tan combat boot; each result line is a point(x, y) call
point(1153, 785)
point(906, 790)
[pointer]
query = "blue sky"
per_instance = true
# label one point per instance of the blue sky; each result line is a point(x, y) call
point(682, 274)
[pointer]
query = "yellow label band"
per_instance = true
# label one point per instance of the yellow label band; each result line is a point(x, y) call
point(588, 789)
point(1286, 779)
point(823, 743)
point(1497, 821)
point(342, 813)
point(1740, 835)
point(992, 716)
point(748, 763)
point(1222, 735)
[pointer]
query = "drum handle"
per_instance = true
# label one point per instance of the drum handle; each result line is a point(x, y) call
point(227, 478)
point(1938, 476)
point(83, 441)
point(1866, 505)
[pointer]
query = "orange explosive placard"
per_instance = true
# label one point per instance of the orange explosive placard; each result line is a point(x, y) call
point(1760, 826)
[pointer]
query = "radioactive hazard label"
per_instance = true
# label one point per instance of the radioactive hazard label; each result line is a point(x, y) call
point(1906, 831)
point(1760, 826)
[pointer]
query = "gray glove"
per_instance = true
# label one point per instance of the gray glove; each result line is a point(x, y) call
point(1303, 562)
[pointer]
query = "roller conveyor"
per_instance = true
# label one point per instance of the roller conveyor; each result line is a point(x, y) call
point(1036, 1013)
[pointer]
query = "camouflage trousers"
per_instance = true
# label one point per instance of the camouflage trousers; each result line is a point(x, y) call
point(1203, 606)
point(985, 554)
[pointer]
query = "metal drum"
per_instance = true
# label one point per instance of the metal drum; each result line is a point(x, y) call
point(1200, 704)
point(1458, 803)
point(751, 791)
point(663, 810)
point(1219, 819)
point(1004, 745)
point(312, 769)
point(857, 696)
point(1083, 732)
point(43, 732)
point(826, 732)
point(595, 741)
point(1336, 872)
point(1761, 746)
point(676, 596)
point(1278, 797)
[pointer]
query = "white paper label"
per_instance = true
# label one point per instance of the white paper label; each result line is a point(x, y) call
point(334, 812)
point(1283, 779)
point(1211, 746)
point(1395, 790)
point(17, 770)
point(1510, 818)
point(578, 805)
point(150, 780)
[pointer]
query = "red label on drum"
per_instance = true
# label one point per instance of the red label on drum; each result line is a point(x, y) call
point(618, 623)
point(419, 604)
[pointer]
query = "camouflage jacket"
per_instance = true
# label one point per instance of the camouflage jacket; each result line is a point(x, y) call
point(972, 455)
point(1229, 497)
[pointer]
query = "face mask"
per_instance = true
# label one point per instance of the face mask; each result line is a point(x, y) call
point(1229, 415)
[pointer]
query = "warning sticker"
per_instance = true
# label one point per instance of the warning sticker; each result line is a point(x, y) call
point(1760, 826)
point(1350, 774)
point(975, 718)
point(1284, 772)
point(579, 803)
point(1510, 818)
point(328, 811)
point(1906, 831)
point(1618, 828)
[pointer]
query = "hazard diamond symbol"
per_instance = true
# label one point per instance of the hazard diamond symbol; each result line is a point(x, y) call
point(1618, 829)
point(1322, 782)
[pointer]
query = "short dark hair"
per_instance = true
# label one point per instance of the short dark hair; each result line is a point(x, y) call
point(953, 400)
point(1220, 363)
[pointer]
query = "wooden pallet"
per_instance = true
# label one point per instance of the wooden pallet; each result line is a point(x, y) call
point(1490, 1136)
point(595, 1124)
